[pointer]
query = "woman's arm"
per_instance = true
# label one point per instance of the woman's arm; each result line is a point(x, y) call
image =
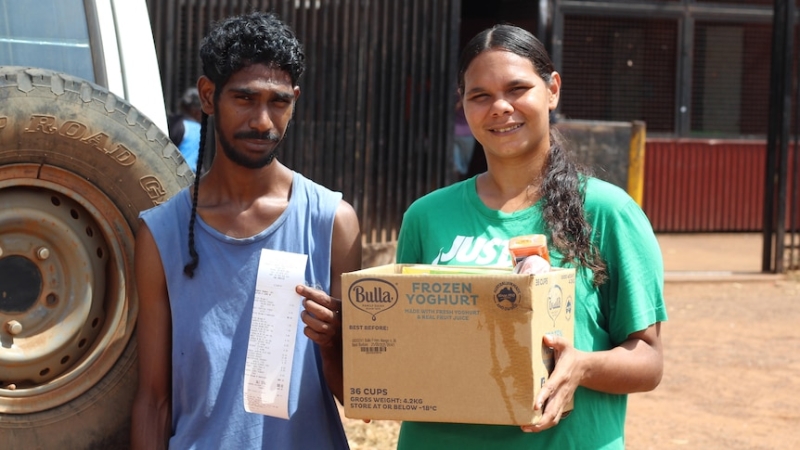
point(636, 365)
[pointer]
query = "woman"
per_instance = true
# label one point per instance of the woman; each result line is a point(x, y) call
point(509, 87)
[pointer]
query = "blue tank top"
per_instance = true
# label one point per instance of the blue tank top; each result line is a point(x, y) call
point(211, 325)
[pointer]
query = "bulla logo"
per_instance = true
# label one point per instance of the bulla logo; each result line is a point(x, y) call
point(373, 295)
point(554, 302)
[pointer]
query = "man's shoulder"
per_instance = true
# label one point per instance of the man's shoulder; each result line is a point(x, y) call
point(317, 201)
point(313, 188)
point(174, 205)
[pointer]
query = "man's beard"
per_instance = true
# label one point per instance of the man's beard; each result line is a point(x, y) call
point(239, 158)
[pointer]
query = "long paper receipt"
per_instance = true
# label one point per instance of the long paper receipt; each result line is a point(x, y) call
point(273, 328)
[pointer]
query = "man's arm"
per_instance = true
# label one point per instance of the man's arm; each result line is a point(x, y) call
point(151, 424)
point(323, 313)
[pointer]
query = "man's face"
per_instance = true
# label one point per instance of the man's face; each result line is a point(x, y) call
point(252, 112)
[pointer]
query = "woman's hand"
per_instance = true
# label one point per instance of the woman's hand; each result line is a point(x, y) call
point(635, 365)
point(560, 387)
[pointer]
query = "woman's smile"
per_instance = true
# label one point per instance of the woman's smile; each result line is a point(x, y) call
point(505, 129)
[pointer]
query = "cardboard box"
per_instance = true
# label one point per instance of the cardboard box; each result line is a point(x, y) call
point(449, 347)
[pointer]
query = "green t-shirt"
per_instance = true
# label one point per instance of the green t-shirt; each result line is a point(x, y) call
point(453, 226)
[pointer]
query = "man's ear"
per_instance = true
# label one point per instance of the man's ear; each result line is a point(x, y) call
point(206, 88)
point(296, 90)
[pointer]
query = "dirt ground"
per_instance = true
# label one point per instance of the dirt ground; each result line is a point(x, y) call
point(731, 372)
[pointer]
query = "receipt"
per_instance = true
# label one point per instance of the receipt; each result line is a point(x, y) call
point(273, 328)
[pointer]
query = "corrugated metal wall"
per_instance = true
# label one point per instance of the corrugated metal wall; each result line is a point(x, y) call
point(708, 185)
point(704, 185)
point(375, 116)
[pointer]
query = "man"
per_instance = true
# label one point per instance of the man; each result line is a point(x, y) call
point(197, 257)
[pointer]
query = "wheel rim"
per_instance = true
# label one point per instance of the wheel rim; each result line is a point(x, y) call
point(65, 309)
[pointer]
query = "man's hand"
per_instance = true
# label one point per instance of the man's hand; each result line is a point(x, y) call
point(322, 317)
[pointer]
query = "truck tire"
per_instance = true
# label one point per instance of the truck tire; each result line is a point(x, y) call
point(77, 165)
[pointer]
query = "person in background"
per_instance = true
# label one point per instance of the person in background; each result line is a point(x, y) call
point(197, 256)
point(463, 143)
point(175, 128)
point(531, 186)
point(191, 114)
point(184, 127)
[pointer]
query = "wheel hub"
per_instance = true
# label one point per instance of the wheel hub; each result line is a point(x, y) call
point(65, 254)
point(20, 284)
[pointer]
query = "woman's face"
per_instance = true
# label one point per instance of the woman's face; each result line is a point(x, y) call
point(507, 104)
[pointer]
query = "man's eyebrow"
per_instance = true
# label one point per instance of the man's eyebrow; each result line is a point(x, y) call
point(244, 91)
point(278, 95)
point(284, 96)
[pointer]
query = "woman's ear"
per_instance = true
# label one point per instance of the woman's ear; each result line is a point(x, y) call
point(555, 90)
point(205, 87)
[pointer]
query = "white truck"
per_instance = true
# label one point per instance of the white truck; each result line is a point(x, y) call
point(83, 149)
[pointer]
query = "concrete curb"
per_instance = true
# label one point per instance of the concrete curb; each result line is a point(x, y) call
point(720, 276)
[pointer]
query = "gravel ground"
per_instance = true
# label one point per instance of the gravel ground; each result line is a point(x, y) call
point(376, 435)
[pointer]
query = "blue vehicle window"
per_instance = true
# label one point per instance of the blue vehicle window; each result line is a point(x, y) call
point(50, 34)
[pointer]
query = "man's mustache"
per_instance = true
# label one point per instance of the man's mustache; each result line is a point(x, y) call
point(268, 136)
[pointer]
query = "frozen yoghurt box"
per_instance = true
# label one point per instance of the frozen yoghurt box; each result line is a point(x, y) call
point(450, 344)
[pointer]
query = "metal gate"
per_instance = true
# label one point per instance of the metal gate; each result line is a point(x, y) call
point(781, 250)
point(375, 116)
